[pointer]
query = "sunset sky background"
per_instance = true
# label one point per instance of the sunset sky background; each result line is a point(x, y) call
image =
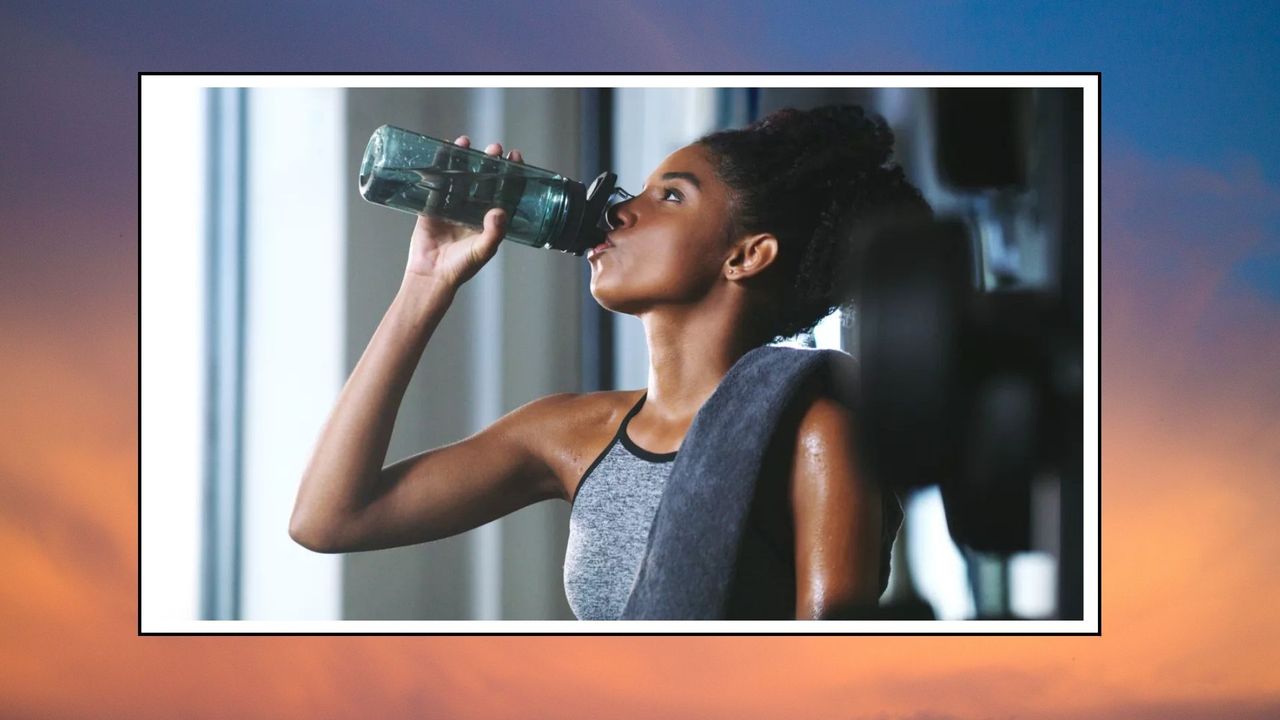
point(1191, 370)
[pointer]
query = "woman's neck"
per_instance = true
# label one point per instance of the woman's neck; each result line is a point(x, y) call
point(688, 357)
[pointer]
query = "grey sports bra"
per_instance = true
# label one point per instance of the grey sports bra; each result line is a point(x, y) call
point(609, 524)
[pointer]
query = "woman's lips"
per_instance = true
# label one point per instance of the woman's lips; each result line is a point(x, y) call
point(598, 249)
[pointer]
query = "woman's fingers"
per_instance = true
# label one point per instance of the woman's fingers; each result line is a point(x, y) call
point(491, 149)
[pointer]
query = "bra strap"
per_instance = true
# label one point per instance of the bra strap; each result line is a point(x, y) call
point(622, 426)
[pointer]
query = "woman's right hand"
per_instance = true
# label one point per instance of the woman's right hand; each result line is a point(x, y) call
point(449, 253)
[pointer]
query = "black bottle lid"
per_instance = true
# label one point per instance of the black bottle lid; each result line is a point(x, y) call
point(586, 224)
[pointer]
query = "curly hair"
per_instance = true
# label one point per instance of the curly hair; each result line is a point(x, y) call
point(809, 177)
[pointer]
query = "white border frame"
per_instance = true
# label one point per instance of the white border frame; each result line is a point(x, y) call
point(1090, 84)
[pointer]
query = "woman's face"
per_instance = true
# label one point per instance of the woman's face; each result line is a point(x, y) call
point(670, 241)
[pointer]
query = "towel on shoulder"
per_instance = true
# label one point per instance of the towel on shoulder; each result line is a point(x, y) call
point(696, 566)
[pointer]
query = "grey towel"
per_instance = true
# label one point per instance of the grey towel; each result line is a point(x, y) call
point(692, 566)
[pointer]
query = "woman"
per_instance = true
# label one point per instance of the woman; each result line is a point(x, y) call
point(731, 244)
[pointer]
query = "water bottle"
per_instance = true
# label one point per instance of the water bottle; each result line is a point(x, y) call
point(426, 176)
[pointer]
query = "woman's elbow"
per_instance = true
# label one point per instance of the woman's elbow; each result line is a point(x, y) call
point(311, 535)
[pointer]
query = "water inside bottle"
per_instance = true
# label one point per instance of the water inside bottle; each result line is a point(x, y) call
point(463, 197)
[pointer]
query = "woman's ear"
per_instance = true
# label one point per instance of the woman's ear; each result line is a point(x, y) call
point(750, 256)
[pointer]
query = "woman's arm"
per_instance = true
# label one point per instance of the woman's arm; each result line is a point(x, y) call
point(837, 514)
point(348, 500)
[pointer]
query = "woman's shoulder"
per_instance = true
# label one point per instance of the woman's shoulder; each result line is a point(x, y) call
point(573, 411)
point(568, 430)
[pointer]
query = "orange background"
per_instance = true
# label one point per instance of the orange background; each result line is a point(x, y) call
point(1190, 461)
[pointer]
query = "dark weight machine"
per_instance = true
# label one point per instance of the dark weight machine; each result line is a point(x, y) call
point(971, 355)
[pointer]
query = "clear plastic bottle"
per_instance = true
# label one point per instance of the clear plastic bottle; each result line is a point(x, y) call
point(426, 176)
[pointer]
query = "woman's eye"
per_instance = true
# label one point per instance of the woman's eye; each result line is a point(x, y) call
point(671, 192)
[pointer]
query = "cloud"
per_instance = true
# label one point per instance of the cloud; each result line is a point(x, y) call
point(1185, 344)
point(1191, 424)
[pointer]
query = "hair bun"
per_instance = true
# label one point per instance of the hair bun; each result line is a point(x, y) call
point(842, 134)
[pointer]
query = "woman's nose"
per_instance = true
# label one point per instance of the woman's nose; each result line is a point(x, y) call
point(615, 214)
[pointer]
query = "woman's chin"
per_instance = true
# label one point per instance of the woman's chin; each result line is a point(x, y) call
point(609, 298)
point(603, 299)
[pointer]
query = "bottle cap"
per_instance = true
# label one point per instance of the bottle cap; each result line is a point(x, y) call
point(588, 213)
